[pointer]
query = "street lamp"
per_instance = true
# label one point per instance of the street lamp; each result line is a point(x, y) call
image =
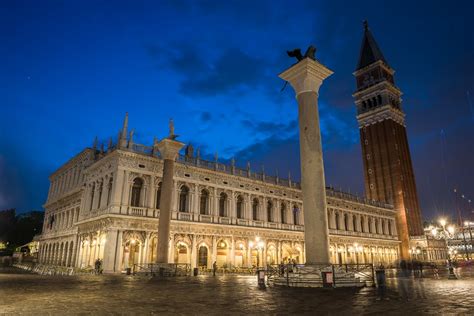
point(258, 245)
point(445, 233)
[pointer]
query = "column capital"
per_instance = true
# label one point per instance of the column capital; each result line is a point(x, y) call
point(306, 76)
point(169, 148)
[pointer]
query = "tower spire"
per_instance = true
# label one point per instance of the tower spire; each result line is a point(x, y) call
point(123, 135)
point(125, 126)
point(369, 50)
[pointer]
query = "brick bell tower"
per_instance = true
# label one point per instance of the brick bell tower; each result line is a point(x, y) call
point(388, 170)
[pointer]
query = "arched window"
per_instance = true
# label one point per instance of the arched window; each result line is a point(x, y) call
point(295, 215)
point(202, 257)
point(346, 222)
point(204, 202)
point(255, 209)
point(240, 202)
point(389, 226)
point(183, 199)
point(222, 202)
point(337, 221)
point(354, 222)
point(283, 213)
point(136, 192)
point(92, 196)
point(379, 98)
point(158, 196)
point(269, 211)
point(109, 190)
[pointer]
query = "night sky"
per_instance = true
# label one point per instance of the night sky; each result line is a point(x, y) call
point(69, 70)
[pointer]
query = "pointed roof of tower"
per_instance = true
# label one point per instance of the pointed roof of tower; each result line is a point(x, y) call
point(369, 50)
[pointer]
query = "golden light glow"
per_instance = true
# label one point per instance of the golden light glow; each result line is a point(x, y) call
point(442, 222)
point(451, 229)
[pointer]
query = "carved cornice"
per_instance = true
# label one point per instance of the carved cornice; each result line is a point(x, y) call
point(381, 114)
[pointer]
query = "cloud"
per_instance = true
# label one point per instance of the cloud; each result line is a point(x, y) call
point(205, 117)
point(234, 71)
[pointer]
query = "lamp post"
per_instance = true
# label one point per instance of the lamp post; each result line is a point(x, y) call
point(258, 245)
point(445, 232)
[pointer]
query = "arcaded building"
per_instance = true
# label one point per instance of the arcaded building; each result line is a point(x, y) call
point(105, 204)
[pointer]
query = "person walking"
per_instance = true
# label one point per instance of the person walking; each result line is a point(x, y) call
point(97, 266)
point(435, 272)
point(214, 268)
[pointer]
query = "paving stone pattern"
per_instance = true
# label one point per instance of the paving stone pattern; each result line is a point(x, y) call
point(22, 293)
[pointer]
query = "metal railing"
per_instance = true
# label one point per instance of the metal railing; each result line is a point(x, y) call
point(46, 269)
point(342, 275)
point(162, 269)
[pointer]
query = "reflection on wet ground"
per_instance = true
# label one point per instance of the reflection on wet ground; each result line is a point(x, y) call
point(230, 294)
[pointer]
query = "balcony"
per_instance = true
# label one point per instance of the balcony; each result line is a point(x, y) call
point(205, 218)
point(225, 220)
point(185, 216)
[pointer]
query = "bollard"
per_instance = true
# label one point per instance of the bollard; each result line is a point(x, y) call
point(196, 271)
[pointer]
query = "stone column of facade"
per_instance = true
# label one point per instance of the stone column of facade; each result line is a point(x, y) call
point(169, 149)
point(126, 185)
point(193, 252)
point(214, 249)
point(117, 185)
point(103, 197)
point(306, 77)
point(110, 250)
point(232, 252)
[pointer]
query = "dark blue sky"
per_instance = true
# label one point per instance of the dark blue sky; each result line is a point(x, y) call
point(71, 69)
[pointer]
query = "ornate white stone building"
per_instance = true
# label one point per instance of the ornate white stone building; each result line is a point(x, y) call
point(106, 204)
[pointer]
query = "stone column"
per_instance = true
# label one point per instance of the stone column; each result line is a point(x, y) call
point(306, 77)
point(214, 250)
point(193, 252)
point(110, 250)
point(117, 186)
point(169, 149)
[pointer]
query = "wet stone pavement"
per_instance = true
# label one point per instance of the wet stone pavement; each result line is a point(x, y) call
point(22, 293)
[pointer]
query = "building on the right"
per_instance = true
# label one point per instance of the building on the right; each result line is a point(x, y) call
point(388, 170)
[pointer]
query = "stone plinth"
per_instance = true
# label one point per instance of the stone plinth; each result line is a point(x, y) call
point(306, 77)
point(311, 276)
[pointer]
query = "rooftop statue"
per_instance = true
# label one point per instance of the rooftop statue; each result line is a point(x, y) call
point(171, 135)
point(310, 52)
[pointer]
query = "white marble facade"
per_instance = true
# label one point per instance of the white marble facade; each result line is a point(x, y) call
point(105, 204)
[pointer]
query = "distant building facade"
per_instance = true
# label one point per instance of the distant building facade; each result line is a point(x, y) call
point(388, 169)
point(105, 204)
